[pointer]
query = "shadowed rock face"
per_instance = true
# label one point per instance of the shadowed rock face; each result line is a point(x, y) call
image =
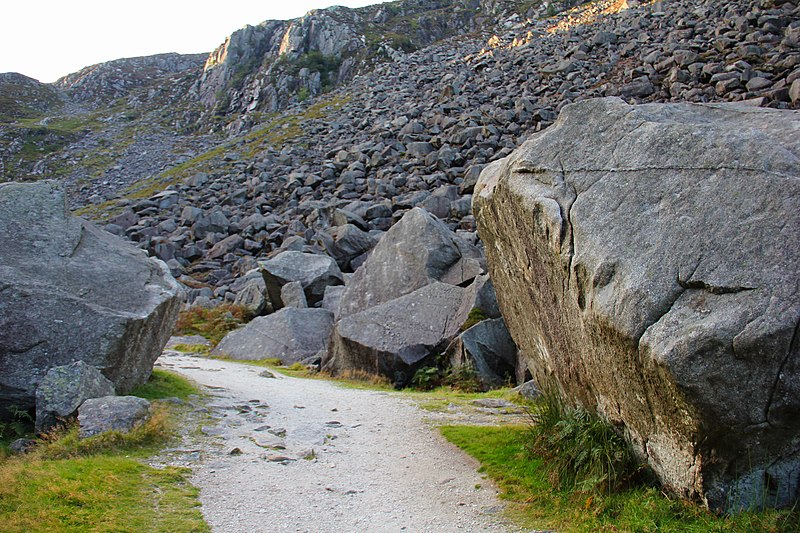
point(646, 262)
point(70, 291)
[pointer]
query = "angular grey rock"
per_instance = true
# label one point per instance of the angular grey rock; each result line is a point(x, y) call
point(64, 388)
point(641, 87)
point(314, 272)
point(528, 390)
point(416, 251)
point(117, 413)
point(73, 291)
point(290, 334)
point(397, 337)
point(225, 246)
point(486, 297)
point(348, 243)
point(420, 149)
point(332, 298)
point(22, 446)
point(652, 272)
point(253, 294)
point(489, 349)
point(292, 295)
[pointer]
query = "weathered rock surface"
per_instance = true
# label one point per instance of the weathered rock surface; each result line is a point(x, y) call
point(70, 291)
point(646, 262)
point(117, 413)
point(64, 388)
point(397, 337)
point(415, 252)
point(313, 271)
point(290, 335)
point(489, 349)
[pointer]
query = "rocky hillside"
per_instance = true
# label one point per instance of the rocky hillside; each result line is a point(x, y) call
point(416, 131)
point(86, 127)
point(262, 68)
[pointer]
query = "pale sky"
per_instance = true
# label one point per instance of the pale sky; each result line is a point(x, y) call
point(47, 39)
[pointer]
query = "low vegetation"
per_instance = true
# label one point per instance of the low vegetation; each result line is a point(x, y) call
point(213, 323)
point(582, 451)
point(101, 483)
point(568, 471)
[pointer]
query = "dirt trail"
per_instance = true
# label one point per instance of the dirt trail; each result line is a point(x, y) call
point(312, 456)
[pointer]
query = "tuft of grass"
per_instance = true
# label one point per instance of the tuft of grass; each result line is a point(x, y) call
point(163, 384)
point(426, 378)
point(475, 315)
point(533, 501)
point(214, 323)
point(363, 379)
point(202, 349)
point(463, 378)
point(583, 451)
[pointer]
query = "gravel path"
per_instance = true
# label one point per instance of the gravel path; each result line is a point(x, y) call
point(288, 454)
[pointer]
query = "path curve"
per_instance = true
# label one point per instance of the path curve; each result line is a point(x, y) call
point(310, 455)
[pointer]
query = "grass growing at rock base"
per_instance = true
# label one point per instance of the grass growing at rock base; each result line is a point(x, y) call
point(534, 502)
point(214, 323)
point(101, 483)
point(163, 384)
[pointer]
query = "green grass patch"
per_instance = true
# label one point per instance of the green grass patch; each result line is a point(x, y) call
point(442, 398)
point(163, 384)
point(202, 349)
point(101, 483)
point(96, 493)
point(475, 315)
point(534, 502)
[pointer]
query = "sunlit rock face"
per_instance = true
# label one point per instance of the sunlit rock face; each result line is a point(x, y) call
point(646, 262)
point(263, 67)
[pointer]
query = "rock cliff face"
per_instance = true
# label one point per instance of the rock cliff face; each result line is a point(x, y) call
point(646, 262)
point(265, 67)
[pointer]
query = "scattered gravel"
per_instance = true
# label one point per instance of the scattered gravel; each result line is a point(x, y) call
point(288, 454)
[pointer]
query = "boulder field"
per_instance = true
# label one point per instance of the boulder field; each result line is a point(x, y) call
point(647, 262)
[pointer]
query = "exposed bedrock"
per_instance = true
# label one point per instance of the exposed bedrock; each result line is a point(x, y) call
point(646, 261)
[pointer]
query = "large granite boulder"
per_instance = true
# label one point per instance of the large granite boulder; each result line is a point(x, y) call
point(313, 271)
point(291, 335)
point(71, 291)
point(397, 337)
point(64, 388)
point(417, 251)
point(647, 262)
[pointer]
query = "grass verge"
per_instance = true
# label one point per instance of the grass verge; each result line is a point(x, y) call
point(101, 483)
point(534, 502)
